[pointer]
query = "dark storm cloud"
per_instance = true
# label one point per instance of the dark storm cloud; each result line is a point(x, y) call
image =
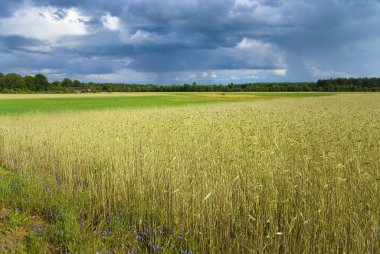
point(308, 39)
point(11, 43)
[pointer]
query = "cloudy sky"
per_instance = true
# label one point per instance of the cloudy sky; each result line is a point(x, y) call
point(178, 41)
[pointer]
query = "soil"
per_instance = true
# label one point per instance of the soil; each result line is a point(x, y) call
point(13, 241)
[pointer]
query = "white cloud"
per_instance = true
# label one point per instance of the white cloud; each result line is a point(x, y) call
point(248, 3)
point(110, 22)
point(224, 76)
point(211, 74)
point(38, 49)
point(251, 77)
point(122, 75)
point(260, 53)
point(141, 37)
point(247, 43)
point(280, 72)
point(318, 73)
point(32, 72)
point(44, 23)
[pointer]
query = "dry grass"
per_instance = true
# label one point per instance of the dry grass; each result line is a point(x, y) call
point(284, 176)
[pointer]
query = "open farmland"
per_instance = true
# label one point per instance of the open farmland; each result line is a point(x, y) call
point(264, 173)
point(50, 103)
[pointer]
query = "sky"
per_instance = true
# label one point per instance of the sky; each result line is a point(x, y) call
point(185, 41)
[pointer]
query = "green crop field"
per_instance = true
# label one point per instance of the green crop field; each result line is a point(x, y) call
point(190, 173)
point(18, 104)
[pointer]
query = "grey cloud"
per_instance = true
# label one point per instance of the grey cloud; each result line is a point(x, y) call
point(7, 7)
point(333, 36)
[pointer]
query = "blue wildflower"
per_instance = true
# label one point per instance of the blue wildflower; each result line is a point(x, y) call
point(35, 227)
point(155, 248)
point(104, 233)
point(180, 238)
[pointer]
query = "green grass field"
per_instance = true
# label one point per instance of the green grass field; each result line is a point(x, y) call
point(19, 104)
point(188, 173)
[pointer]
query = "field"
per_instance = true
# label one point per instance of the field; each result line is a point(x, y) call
point(20, 104)
point(190, 173)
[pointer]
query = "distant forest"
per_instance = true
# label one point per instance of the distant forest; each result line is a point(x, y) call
point(15, 83)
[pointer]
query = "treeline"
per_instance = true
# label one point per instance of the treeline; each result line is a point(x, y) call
point(15, 83)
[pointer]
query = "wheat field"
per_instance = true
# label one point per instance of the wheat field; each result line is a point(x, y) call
point(271, 176)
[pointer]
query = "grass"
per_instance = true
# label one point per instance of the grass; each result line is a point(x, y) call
point(20, 104)
point(260, 176)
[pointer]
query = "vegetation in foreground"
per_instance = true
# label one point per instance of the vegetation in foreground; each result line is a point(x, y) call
point(270, 176)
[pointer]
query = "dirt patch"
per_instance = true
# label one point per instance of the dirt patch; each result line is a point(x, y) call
point(31, 232)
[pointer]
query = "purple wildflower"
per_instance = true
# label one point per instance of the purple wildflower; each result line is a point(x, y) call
point(155, 248)
point(35, 227)
point(180, 238)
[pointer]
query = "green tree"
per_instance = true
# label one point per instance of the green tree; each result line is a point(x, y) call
point(56, 83)
point(30, 83)
point(67, 82)
point(2, 82)
point(42, 83)
point(14, 81)
point(77, 83)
